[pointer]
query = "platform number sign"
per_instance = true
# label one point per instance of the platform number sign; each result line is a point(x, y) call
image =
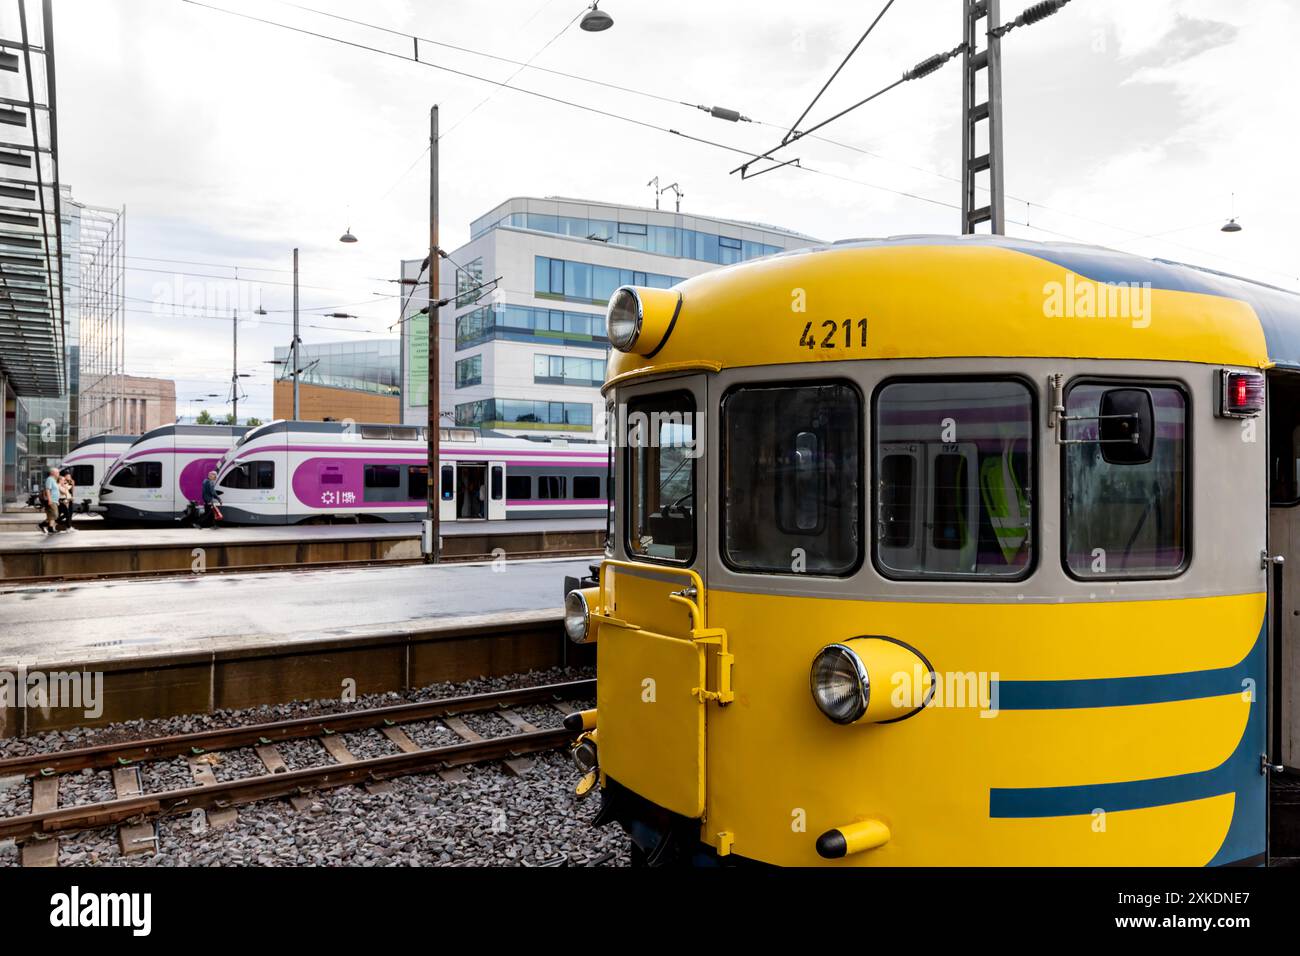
point(829, 334)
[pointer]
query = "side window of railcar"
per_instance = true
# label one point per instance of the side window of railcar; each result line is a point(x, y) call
point(382, 482)
point(660, 457)
point(1125, 520)
point(140, 474)
point(519, 487)
point(791, 479)
point(954, 479)
point(251, 474)
point(417, 482)
point(552, 486)
point(83, 474)
point(586, 487)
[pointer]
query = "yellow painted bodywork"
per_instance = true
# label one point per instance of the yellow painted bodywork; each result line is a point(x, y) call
point(775, 760)
point(933, 302)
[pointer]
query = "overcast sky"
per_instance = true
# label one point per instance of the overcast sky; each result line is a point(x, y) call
point(1129, 123)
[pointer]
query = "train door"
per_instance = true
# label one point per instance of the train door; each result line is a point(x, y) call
point(471, 490)
point(496, 491)
point(1284, 540)
point(659, 667)
point(447, 491)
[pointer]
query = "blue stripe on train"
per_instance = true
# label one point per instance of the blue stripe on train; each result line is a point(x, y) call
point(1239, 774)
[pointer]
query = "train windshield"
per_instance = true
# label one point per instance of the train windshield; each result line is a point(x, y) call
point(791, 479)
point(661, 455)
point(953, 466)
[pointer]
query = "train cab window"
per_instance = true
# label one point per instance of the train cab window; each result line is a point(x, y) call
point(586, 487)
point(1125, 520)
point(552, 486)
point(140, 474)
point(417, 482)
point(251, 474)
point(83, 474)
point(953, 479)
point(791, 479)
point(498, 480)
point(661, 454)
point(519, 487)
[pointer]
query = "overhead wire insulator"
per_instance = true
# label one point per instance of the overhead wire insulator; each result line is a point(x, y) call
point(1039, 11)
point(932, 63)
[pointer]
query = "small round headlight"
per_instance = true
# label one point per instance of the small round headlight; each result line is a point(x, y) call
point(577, 618)
point(840, 684)
point(623, 319)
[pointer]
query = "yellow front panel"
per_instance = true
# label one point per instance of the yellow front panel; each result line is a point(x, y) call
point(780, 773)
point(651, 725)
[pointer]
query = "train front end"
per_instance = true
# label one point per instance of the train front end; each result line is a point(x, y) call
point(876, 598)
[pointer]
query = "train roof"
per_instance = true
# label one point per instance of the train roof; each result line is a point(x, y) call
point(192, 431)
point(933, 296)
point(105, 440)
point(392, 431)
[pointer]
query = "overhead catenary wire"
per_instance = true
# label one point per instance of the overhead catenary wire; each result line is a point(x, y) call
point(921, 69)
point(848, 56)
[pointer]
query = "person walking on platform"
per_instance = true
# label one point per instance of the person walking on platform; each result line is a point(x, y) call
point(66, 489)
point(50, 500)
point(211, 505)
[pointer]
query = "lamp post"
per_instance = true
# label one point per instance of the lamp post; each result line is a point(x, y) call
point(432, 537)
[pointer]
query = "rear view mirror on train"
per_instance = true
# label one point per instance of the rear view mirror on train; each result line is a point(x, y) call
point(1127, 426)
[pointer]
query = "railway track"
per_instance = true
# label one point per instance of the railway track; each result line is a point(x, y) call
point(135, 810)
point(9, 583)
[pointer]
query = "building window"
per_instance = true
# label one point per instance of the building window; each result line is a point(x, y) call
point(526, 324)
point(469, 371)
point(519, 487)
point(792, 479)
point(954, 479)
point(246, 475)
point(664, 240)
point(586, 487)
point(552, 486)
point(567, 370)
point(468, 282)
point(1126, 520)
point(584, 282)
point(516, 413)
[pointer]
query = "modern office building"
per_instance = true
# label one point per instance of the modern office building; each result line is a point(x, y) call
point(341, 381)
point(525, 354)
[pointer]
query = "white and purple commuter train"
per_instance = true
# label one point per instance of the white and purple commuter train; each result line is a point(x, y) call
point(88, 462)
point(161, 472)
point(288, 472)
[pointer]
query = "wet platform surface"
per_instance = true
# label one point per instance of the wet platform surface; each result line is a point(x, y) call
point(115, 620)
point(99, 538)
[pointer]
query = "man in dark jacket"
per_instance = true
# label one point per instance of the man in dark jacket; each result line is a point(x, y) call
point(210, 495)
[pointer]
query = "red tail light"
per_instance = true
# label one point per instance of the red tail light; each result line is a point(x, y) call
point(1241, 395)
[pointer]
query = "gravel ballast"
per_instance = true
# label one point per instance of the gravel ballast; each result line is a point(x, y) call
point(489, 818)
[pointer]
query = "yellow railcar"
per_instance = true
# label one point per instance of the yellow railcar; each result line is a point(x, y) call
point(937, 551)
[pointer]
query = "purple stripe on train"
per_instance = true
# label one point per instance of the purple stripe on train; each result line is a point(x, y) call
point(192, 475)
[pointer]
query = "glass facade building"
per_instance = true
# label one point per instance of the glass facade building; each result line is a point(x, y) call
point(675, 241)
point(523, 347)
point(371, 365)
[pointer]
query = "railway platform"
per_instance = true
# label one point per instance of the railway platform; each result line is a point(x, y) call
point(208, 642)
point(111, 552)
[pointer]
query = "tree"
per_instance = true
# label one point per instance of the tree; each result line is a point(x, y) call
point(253, 422)
point(229, 419)
point(205, 418)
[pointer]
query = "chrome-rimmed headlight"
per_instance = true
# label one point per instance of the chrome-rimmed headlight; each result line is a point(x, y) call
point(624, 318)
point(840, 685)
point(577, 616)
